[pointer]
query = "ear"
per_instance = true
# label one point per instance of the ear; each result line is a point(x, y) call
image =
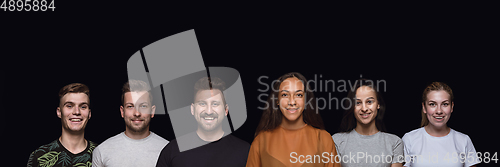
point(423, 108)
point(90, 114)
point(378, 106)
point(227, 109)
point(121, 110)
point(153, 109)
point(452, 105)
point(58, 112)
point(192, 108)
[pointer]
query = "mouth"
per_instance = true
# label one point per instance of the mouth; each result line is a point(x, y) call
point(209, 118)
point(292, 110)
point(75, 120)
point(137, 120)
point(438, 118)
point(365, 115)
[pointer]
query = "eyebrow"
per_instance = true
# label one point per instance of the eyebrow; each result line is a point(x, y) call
point(366, 98)
point(289, 91)
point(70, 102)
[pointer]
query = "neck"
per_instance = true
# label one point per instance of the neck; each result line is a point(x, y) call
point(296, 124)
point(210, 136)
point(437, 131)
point(73, 141)
point(366, 129)
point(137, 135)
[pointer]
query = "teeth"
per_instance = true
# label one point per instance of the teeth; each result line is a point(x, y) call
point(75, 120)
point(438, 117)
point(209, 118)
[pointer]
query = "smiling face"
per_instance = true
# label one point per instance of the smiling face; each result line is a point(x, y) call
point(74, 111)
point(137, 111)
point(367, 105)
point(291, 98)
point(438, 108)
point(209, 109)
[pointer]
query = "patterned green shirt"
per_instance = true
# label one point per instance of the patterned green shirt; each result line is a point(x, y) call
point(54, 154)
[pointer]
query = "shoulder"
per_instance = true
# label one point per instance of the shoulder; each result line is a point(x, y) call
point(390, 137)
point(237, 141)
point(112, 141)
point(159, 139)
point(459, 136)
point(339, 137)
point(412, 135)
point(46, 148)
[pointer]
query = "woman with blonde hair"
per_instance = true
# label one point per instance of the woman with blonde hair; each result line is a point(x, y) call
point(434, 143)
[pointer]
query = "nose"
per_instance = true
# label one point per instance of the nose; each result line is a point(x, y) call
point(209, 110)
point(364, 108)
point(292, 102)
point(137, 113)
point(439, 110)
point(76, 111)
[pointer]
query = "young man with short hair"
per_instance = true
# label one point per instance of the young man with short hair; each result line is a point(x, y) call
point(137, 146)
point(71, 148)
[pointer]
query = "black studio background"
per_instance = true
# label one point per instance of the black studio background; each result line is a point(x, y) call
point(44, 51)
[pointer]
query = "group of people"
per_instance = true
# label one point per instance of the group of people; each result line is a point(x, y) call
point(290, 133)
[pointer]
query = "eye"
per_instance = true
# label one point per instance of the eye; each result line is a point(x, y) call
point(129, 106)
point(300, 95)
point(432, 104)
point(215, 104)
point(369, 101)
point(284, 95)
point(69, 106)
point(358, 103)
point(445, 104)
point(144, 106)
point(202, 104)
point(84, 107)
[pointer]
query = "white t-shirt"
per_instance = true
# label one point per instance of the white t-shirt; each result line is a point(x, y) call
point(121, 150)
point(453, 150)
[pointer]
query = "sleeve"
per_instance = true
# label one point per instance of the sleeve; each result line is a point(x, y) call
point(254, 154)
point(398, 152)
point(330, 147)
point(406, 143)
point(163, 159)
point(96, 157)
point(32, 160)
point(471, 155)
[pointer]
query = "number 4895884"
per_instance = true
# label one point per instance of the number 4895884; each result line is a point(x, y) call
point(27, 5)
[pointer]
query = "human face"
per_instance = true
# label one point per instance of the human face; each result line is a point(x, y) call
point(137, 111)
point(209, 109)
point(74, 111)
point(367, 105)
point(438, 108)
point(291, 98)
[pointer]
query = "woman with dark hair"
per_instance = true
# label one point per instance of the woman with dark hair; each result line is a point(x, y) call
point(362, 131)
point(434, 138)
point(291, 131)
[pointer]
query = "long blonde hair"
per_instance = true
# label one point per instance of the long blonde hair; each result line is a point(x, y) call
point(434, 86)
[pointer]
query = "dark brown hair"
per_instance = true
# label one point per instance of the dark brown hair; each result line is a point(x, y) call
point(136, 86)
point(349, 121)
point(272, 116)
point(434, 86)
point(207, 83)
point(74, 88)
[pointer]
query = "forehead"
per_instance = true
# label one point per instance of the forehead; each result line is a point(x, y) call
point(439, 95)
point(208, 95)
point(364, 92)
point(292, 84)
point(133, 97)
point(75, 98)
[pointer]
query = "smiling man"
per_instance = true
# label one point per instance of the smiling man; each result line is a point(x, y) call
point(71, 148)
point(137, 146)
point(215, 147)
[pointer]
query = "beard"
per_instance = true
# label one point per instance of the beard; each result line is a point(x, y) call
point(210, 126)
point(138, 128)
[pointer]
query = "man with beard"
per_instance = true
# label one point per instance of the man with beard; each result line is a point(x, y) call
point(137, 146)
point(214, 147)
point(71, 148)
